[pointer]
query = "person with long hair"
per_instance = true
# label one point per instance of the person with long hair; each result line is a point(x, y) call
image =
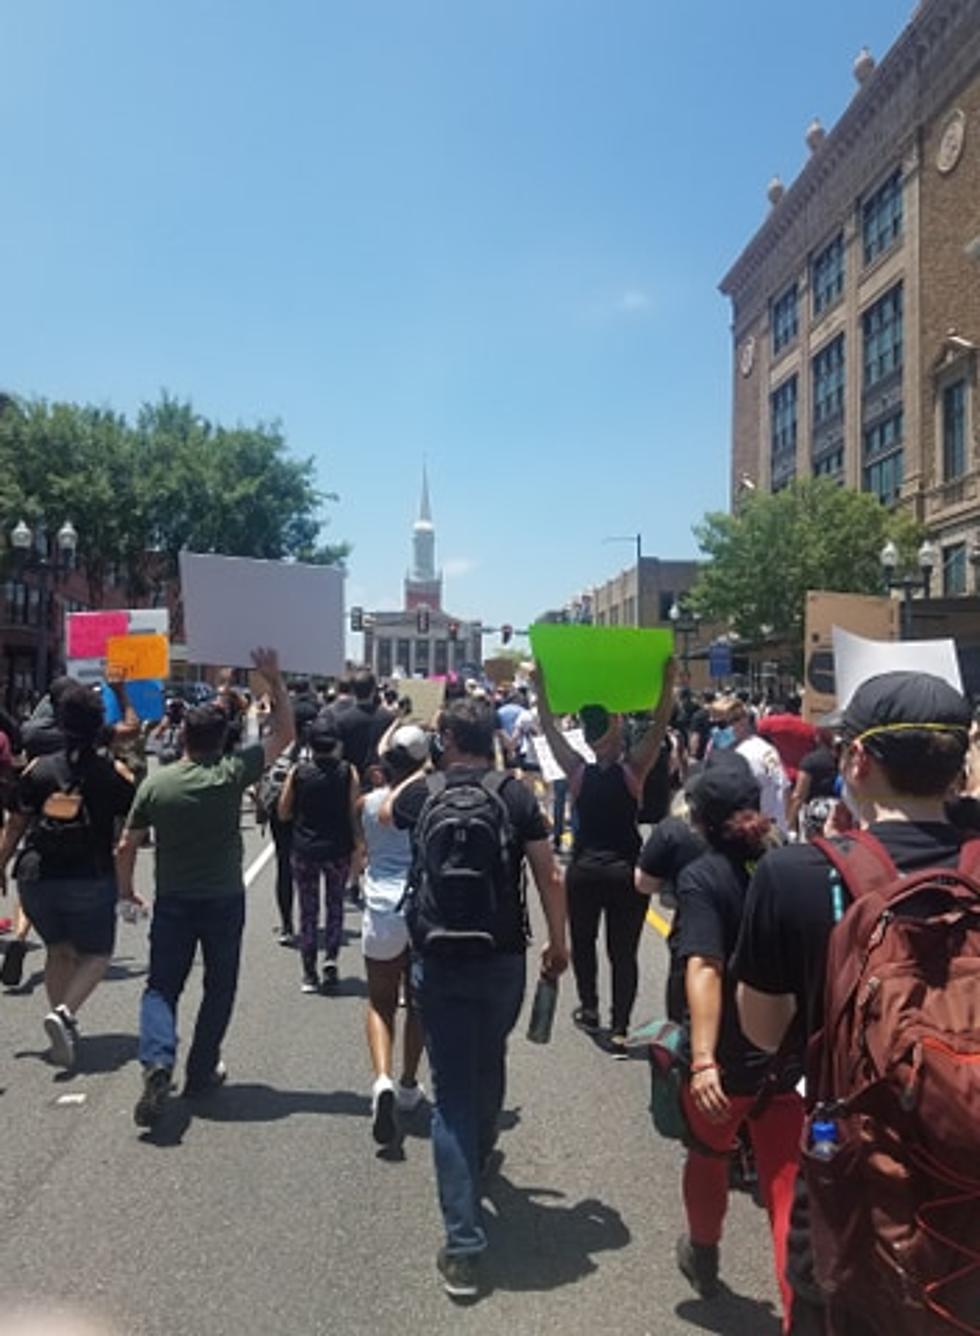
point(384, 937)
point(320, 799)
point(731, 1081)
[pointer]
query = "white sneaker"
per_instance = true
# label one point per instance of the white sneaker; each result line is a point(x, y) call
point(409, 1097)
point(62, 1029)
point(384, 1111)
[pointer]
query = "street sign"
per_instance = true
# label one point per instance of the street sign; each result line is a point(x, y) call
point(720, 660)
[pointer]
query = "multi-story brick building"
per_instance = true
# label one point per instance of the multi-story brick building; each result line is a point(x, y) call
point(856, 306)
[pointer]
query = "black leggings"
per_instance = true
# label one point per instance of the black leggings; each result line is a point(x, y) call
point(282, 835)
point(609, 889)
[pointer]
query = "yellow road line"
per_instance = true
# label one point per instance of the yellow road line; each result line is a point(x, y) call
point(657, 921)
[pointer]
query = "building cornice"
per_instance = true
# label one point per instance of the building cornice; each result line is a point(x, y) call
point(925, 67)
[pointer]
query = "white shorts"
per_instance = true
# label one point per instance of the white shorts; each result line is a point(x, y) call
point(384, 936)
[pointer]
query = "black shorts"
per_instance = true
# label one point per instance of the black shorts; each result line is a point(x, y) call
point(80, 913)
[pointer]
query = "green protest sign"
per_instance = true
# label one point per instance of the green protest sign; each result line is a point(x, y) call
point(620, 667)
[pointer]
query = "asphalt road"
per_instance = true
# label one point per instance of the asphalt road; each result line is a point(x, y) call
point(269, 1211)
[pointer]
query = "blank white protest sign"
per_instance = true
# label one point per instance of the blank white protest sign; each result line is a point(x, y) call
point(234, 604)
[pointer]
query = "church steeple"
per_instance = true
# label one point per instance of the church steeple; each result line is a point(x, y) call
point(424, 583)
point(425, 508)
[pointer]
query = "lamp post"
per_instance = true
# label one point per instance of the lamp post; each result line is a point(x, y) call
point(685, 624)
point(29, 559)
point(928, 558)
point(636, 539)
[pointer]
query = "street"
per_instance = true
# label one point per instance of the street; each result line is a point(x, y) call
point(269, 1209)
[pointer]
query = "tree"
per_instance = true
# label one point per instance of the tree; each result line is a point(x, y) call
point(814, 534)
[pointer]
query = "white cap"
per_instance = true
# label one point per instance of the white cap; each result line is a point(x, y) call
point(412, 740)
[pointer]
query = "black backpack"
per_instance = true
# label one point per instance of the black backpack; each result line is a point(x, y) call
point(463, 896)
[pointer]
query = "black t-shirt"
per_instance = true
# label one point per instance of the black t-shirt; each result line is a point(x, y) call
point(322, 830)
point(526, 818)
point(106, 795)
point(360, 727)
point(711, 898)
point(700, 727)
point(671, 846)
point(821, 765)
point(655, 800)
point(606, 813)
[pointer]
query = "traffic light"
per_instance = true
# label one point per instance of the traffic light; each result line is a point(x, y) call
point(357, 619)
point(422, 621)
point(506, 633)
point(453, 630)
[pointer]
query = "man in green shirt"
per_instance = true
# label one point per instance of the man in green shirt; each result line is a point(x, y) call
point(194, 810)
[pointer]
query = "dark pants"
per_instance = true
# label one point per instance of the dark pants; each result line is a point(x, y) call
point(559, 801)
point(282, 837)
point(179, 924)
point(594, 891)
point(468, 1009)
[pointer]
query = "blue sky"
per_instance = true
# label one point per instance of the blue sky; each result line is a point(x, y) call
point(488, 232)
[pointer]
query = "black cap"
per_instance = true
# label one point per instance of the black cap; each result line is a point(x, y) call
point(725, 785)
point(894, 702)
point(322, 737)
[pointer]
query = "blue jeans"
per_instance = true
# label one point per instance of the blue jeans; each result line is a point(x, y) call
point(179, 924)
point(468, 1009)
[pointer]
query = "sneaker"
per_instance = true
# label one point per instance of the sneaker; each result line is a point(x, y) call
point(12, 969)
point(699, 1263)
point(384, 1106)
point(586, 1018)
point(156, 1088)
point(285, 937)
point(310, 984)
point(62, 1030)
point(217, 1078)
point(330, 974)
point(409, 1097)
point(460, 1274)
point(617, 1044)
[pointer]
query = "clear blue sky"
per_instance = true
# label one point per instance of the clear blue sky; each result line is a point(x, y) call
point(485, 231)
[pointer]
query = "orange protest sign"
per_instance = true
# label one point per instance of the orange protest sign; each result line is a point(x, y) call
point(139, 657)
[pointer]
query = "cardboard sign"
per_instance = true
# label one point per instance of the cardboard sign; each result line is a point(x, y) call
point(501, 670)
point(139, 657)
point(232, 605)
point(86, 633)
point(620, 667)
point(857, 659)
point(869, 614)
point(426, 695)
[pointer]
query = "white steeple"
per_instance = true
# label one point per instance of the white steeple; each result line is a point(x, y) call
point(424, 538)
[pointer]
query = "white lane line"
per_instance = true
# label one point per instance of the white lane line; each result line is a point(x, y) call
point(267, 853)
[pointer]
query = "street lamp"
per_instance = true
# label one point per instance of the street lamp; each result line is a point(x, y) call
point(928, 558)
point(635, 538)
point(686, 624)
point(29, 559)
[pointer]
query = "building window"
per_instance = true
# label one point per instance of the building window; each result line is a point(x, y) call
point(828, 275)
point(403, 656)
point(828, 382)
point(666, 603)
point(600, 619)
point(384, 657)
point(629, 611)
point(614, 616)
point(442, 658)
point(830, 465)
point(783, 433)
point(954, 569)
point(422, 657)
point(882, 328)
point(881, 217)
point(954, 431)
point(785, 321)
point(882, 457)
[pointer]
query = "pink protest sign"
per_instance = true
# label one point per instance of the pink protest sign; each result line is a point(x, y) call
point(88, 632)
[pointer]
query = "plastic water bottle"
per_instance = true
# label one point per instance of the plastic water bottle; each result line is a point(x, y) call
point(823, 1139)
point(543, 1011)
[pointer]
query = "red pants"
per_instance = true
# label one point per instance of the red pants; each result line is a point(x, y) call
point(775, 1137)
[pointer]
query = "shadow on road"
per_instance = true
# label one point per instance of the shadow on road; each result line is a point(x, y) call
point(731, 1314)
point(252, 1103)
point(119, 969)
point(538, 1243)
point(97, 1054)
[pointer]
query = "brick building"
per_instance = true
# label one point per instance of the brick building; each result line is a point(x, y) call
point(643, 594)
point(856, 306)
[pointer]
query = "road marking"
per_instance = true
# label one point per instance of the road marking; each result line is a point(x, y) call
point(264, 857)
point(657, 921)
point(71, 1099)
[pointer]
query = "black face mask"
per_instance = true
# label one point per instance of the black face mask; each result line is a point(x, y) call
point(436, 750)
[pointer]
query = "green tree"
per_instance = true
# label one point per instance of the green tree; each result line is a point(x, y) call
point(763, 560)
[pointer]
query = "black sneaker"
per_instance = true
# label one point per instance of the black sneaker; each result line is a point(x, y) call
point(310, 983)
point(460, 1275)
point(156, 1088)
point(12, 969)
point(586, 1018)
point(194, 1089)
point(699, 1263)
point(330, 974)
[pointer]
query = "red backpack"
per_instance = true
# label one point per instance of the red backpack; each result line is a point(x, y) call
point(894, 1189)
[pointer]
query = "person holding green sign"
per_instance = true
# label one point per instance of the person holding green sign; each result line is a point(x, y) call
point(599, 882)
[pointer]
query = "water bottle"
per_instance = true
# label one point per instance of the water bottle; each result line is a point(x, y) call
point(823, 1138)
point(543, 1010)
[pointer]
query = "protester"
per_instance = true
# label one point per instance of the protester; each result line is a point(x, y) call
point(816, 778)
point(469, 982)
point(65, 808)
point(384, 938)
point(360, 723)
point(731, 1080)
point(672, 845)
point(320, 800)
point(734, 716)
point(194, 810)
point(606, 794)
point(905, 738)
point(791, 735)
